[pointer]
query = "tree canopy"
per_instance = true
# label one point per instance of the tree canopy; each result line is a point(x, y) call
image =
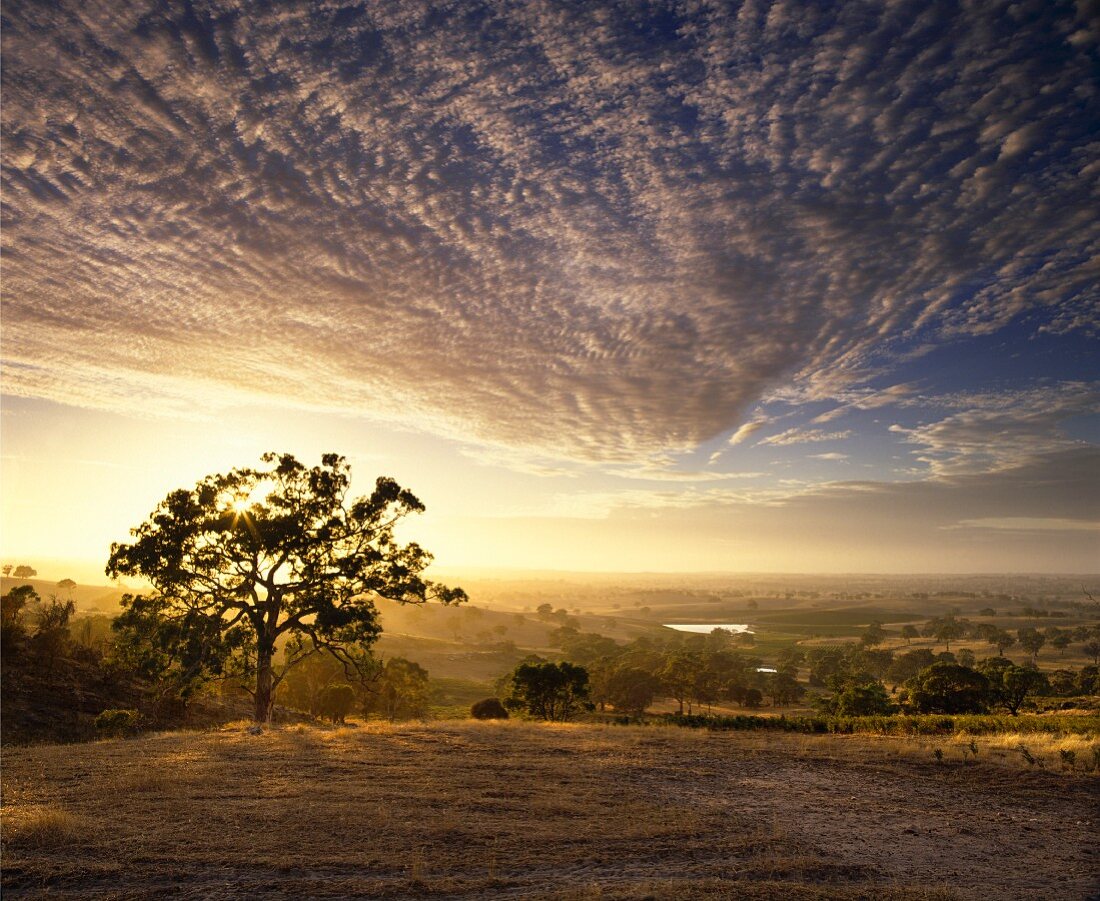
point(273, 555)
point(549, 691)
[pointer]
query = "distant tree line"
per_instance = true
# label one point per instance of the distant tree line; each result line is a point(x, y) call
point(859, 678)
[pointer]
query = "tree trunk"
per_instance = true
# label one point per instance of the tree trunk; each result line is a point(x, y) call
point(265, 680)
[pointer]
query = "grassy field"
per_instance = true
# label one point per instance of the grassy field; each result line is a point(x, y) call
point(466, 809)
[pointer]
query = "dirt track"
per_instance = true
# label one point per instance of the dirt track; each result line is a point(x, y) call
point(511, 810)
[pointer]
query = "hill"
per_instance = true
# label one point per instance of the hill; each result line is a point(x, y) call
point(88, 598)
point(519, 810)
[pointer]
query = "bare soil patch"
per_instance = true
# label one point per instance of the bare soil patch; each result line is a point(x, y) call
point(516, 810)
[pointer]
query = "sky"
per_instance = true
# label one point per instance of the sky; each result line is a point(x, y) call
point(645, 286)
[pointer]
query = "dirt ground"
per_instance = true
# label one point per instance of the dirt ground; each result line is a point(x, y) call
point(515, 810)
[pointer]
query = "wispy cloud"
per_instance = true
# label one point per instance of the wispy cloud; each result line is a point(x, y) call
point(804, 436)
point(1029, 524)
point(867, 399)
point(586, 230)
point(1000, 430)
point(747, 430)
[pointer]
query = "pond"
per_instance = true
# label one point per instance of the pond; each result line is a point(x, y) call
point(707, 628)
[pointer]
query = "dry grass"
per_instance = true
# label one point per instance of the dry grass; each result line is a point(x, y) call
point(41, 827)
point(468, 809)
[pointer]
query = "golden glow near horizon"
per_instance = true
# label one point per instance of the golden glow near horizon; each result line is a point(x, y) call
point(64, 502)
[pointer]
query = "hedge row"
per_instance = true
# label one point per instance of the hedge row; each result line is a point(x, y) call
point(969, 724)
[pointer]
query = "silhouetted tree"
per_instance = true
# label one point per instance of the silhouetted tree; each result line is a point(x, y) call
point(549, 691)
point(245, 558)
point(51, 636)
point(24, 572)
point(13, 626)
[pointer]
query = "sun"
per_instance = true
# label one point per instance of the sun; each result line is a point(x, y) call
point(240, 505)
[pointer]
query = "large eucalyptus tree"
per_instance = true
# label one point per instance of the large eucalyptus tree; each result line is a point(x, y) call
point(278, 555)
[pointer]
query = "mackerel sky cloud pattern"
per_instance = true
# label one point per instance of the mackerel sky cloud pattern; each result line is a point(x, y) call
point(592, 230)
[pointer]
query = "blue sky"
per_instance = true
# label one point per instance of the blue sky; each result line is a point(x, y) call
point(613, 286)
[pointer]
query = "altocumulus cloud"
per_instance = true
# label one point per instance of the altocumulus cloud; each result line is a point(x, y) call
point(593, 230)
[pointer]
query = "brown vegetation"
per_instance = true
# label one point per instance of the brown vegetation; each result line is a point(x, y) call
point(515, 809)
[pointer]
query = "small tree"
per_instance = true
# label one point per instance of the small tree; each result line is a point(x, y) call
point(949, 688)
point(51, 637)
point(680, 675)
point(246, 558)
point(1061, 640)
point(549, 691)
point(631, 690)
point(401, 691)
point(13, 626)
point(1001, 639)
point(1010, 685)
point(24, 572)
point(947, 628)
point(909, 632)
point(783, 688)
point(1031, 640)
point(906, 666)
point(874, 634)
point(868, 699)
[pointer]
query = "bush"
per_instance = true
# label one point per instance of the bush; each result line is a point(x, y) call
point(118, 723)
point(978, 724)
point(335, 702)
point(489, 709)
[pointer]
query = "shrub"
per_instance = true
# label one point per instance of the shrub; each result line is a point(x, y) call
point(489, 709)
point(118, 723)
point(335, 702)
